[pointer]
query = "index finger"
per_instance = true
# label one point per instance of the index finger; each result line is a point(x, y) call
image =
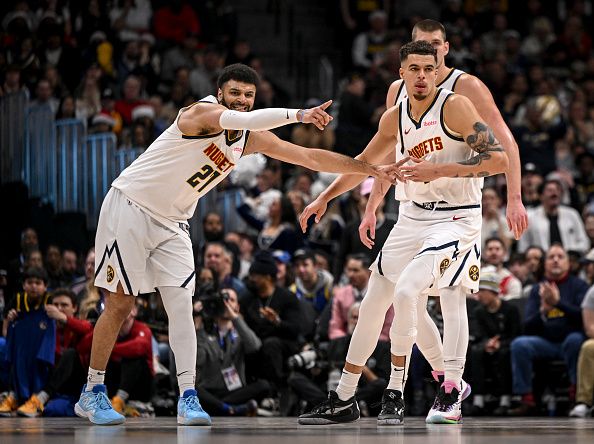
point(326, 104)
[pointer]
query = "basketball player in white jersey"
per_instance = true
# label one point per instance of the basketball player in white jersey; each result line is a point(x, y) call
point(143, 241)
point(434, 244)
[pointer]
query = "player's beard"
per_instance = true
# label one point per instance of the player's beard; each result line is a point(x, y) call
point(420, 97)
point(226, 105)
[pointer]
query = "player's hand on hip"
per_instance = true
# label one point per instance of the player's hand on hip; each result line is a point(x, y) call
point(318, 115)
point(317, 207)
point(517, 218)
point(367, 229)
point(420, 171)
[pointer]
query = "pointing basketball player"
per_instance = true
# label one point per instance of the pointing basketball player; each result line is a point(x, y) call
point(143, 241)
point(435, 243)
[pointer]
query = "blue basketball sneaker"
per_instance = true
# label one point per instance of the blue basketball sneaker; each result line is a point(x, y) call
point(95, 405)
point(189, 410)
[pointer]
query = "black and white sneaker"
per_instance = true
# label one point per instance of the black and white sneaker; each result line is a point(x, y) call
point(392, 412)
point(332, 411)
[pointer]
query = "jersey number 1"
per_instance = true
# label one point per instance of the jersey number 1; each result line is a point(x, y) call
point(203, 177)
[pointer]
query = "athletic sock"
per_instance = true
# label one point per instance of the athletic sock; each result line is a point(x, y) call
point(347, 386)
point(95, 377)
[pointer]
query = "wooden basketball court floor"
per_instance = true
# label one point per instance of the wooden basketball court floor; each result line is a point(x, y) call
point(286, 430)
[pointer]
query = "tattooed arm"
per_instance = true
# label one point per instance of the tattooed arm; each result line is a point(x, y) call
point(461, 116)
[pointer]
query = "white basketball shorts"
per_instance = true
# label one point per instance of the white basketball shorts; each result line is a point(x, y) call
point(450, 234)
point(134, 249)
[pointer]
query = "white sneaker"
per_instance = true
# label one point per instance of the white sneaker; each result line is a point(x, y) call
point(580, 411)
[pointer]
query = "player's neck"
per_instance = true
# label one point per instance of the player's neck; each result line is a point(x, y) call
point(442, 73)
point(418, 107)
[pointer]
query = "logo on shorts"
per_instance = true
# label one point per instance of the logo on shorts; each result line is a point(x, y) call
point(110, 274)
point(42, 325)
point(473, 273)
point(444, 266)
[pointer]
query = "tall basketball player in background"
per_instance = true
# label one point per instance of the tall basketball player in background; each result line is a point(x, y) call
point(143, 241)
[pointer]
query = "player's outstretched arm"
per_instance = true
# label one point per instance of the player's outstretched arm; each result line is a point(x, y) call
point(461, 116)
point(211, 118)
point(480, 96)
point(380, 147)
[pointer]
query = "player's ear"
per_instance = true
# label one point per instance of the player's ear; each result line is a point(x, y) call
point(401, 72)
point(446, 45)
point(220, 95)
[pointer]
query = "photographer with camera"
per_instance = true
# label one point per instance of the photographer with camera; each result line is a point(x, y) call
point(312, 389)
point(223, 342)
point(274, 315)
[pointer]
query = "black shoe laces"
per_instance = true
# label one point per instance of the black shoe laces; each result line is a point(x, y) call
point(328, 403)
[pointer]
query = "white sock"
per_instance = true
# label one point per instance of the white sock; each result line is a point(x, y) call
point(505, 401)
point(347, 386)
point(123, 394)
point(182, 334)
point(43, 397)
point(397, 379)
point(479, 401)
point(95, 377)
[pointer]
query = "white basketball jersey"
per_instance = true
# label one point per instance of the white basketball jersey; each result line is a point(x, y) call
point(177, 169)
point(430, 138)
point(448, 83)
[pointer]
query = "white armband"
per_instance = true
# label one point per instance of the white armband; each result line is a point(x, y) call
point(259, 120)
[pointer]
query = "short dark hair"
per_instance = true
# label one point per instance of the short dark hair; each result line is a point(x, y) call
point(240, 73)
point(64, 292)
point(35, 273)
point(419, 47)
point(429, 26)
point(361, 257)
point(496, 239)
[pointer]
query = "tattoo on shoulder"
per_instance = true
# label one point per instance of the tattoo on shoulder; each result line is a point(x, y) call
point(483, 139)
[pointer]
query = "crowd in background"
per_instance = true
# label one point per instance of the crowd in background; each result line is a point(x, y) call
point(274, 308)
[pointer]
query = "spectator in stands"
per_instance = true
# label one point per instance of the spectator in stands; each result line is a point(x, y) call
point(66, 108)
point(495, 254)
point(311, 284)
point(69, 266)
point(64, 57)
point(88, 297)
point(494, 221)
point(496, 324)
point(343, 298)
point(108, 109)
point(174, 21)
point(537, 134)
point(130, 100)
point(220, 365)
point(357, 118)
point(552, 223)
point(53, 265)
point(130, 372)
point(30, 341)
point(12, 81)
point(44, 96)
point(88, 94)
point(34, 259)
point(68, 376)
point(552, 327)
point(532, 181)
point(203, 77)
point(273, 313)
point(368, 46)
point(284, 276)
point(350, 241)
point(585, 370)
point(219, 258)
point(16, 266)
point(535, 261)
point(130, 17)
